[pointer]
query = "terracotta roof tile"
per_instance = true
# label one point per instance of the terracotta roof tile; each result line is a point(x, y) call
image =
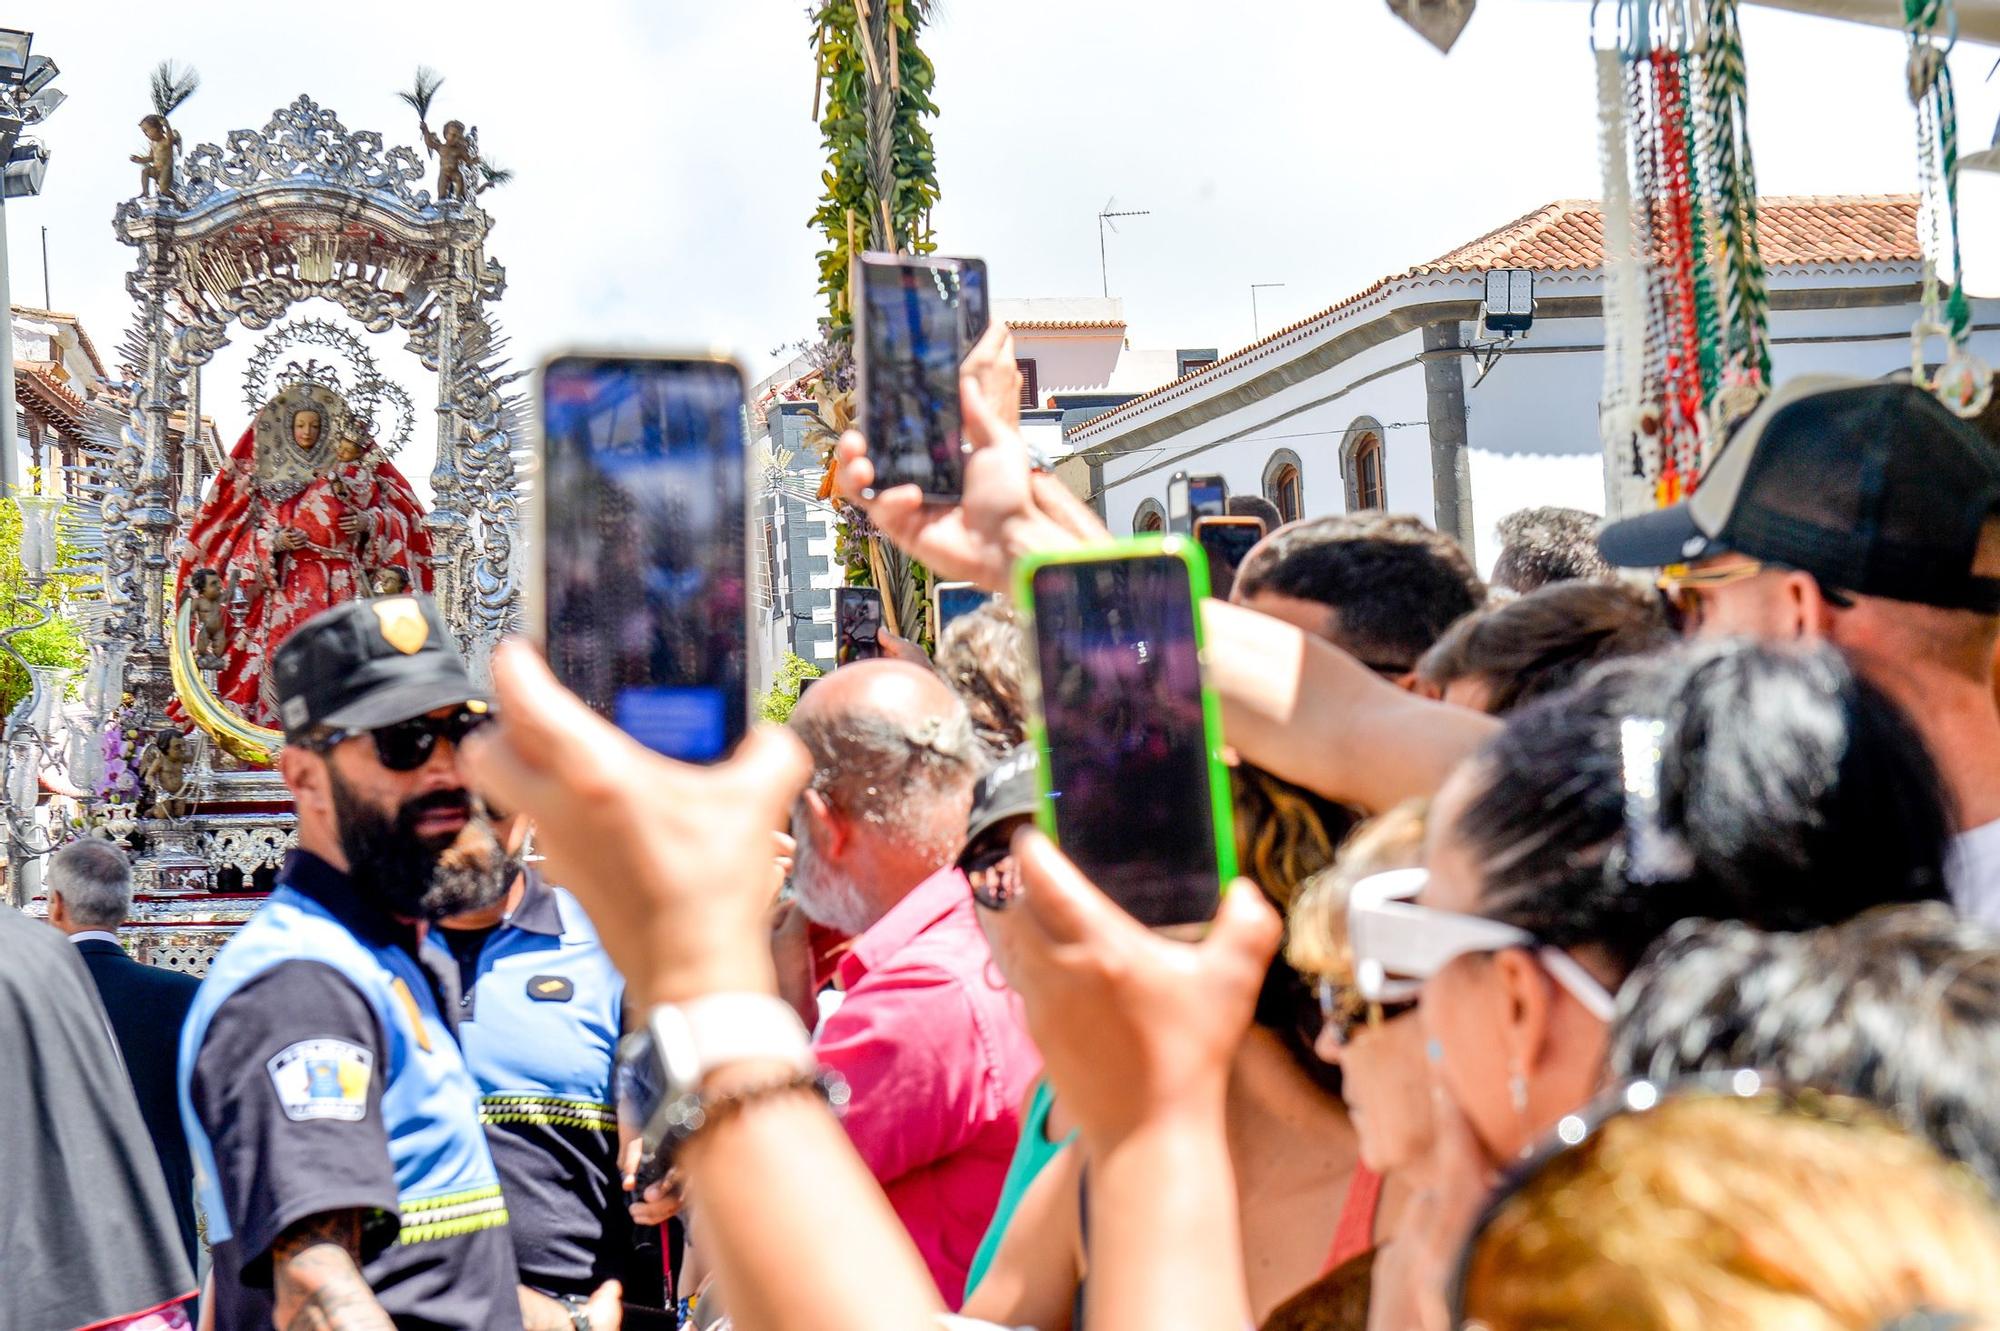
point(39, 380)
point(1836, 229)
point(1043, 325)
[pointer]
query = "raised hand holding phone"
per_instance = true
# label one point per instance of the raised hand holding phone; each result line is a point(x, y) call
point(641, 595)
point(1133, 784)
point(1008, 510)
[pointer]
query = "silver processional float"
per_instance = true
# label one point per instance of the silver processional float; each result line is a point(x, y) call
point(190, 559)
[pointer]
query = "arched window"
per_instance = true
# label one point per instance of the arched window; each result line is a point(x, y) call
point(1364, 465)
point(1150, 518)
point(1284, 486)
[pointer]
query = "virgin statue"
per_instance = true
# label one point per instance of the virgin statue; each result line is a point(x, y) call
point(306, 513)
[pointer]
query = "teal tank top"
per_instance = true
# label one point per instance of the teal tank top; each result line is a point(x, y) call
point(1031, 1155)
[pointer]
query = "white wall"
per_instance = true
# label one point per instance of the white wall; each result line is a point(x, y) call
point(1070, 361)
point(1531, 426)
point(1311, 419)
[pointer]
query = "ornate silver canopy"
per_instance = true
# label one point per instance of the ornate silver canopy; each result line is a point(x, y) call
point(304, 209)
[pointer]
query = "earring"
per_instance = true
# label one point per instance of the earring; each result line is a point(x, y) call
point(1517, 1088)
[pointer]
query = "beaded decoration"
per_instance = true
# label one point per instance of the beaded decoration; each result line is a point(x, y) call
point(1685, 309)
point(1964, 382)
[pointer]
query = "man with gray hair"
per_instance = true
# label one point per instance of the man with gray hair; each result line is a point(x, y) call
point(90, 894)
point(931, 1041)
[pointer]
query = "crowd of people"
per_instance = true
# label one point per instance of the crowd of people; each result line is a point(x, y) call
point(1614, 950)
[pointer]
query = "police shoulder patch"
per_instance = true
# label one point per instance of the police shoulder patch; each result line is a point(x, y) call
point(550, 989)
point(322, 1078)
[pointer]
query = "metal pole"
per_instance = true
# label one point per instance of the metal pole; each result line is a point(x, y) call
point(1256, 327)
point(10, 430)
point(1103, 264)
point(46, 298)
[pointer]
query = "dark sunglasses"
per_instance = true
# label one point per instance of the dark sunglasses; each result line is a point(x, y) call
point(991, 874)
point(1343, 1012)
point(408, 745)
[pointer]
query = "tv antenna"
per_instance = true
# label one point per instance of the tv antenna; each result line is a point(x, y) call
point(1104, 216)
point(1256, 328)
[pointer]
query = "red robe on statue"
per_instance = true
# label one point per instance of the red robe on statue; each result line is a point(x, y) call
point(239, 533)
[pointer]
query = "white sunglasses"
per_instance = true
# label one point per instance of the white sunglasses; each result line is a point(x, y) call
point(1398, 944)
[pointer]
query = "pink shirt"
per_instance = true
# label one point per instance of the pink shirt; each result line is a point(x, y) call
point(934, 1045)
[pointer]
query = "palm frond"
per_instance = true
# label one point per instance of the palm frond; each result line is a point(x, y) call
point(492, 174)
point(173, 85)
point(423, 91)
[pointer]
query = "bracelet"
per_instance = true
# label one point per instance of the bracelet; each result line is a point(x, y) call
point(684, 1119)
point(579, 1314)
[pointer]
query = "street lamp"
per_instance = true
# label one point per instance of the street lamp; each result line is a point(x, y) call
point(28, 96)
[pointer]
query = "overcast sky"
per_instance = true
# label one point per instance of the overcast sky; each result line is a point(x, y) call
point(667, 163)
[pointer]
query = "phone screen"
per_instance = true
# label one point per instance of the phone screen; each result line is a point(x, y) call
point(1128, 761)
point(1208, 496)
point(857, 624)
point(973, 299)
point(1226, 541)
point(911, 346)
point(958, 598)
point(644, 576)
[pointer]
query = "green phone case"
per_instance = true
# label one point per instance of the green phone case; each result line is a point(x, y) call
point(1185, 549)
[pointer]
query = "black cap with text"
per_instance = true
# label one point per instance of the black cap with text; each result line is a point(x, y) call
point(364, 664)
point(1873, 488)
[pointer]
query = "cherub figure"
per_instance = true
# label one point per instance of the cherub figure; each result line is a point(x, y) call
point(157, 162)
point(163, 769)
point(211, 593)
point(456, 157)
point(171, 85)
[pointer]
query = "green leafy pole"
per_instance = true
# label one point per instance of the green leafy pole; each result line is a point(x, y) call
point(872, 98)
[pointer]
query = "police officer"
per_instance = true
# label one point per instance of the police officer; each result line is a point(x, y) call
point(539, 1019)
point(334, 1126)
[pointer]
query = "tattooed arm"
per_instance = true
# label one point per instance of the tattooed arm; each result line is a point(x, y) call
point(316, 1276)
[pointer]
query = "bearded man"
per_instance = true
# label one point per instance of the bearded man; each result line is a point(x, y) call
point(932, 1043)
point(334, 1126)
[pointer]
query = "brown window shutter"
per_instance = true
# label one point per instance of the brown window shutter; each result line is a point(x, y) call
point(1031, 386)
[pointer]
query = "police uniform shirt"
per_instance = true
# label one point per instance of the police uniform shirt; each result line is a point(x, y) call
point(539, 1022)
point(318, 1074)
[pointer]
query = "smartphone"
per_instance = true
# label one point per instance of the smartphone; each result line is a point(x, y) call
point(641, 520)
point(1132, 778)
point(1208, 496)
point(857, 624)
point(1225, 541)
point(974, 302)
point(909, 341)
point(952, 599)
point(1179, 522)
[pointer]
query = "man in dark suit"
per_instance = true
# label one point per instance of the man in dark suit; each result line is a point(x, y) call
point(90, 894)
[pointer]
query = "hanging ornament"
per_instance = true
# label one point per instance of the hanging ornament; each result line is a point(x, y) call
point(1732, 178)
point(1964, 382)
point(1686, 311)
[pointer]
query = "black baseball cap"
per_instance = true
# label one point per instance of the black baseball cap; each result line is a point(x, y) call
point(369, 663)
point(1871, 487)
point(1003, 797)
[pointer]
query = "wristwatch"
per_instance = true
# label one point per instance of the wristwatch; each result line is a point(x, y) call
point(579, 1313)
point(663, 1068)
point(693, 1039)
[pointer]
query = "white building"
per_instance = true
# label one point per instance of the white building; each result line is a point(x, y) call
point(1075, 361)
point(1373, 403)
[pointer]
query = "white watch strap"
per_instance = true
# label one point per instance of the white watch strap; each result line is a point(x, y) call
point(699, 1036)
